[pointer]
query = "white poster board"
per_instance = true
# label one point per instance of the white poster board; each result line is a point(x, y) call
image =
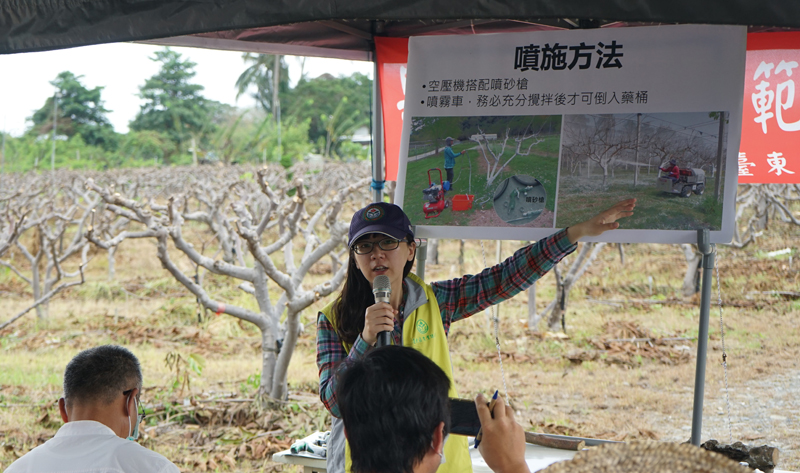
point(549, 128)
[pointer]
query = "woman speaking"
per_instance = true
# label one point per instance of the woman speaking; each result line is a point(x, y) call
point(417, 314)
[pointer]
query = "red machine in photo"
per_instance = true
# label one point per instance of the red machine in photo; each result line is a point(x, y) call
point(434, 195)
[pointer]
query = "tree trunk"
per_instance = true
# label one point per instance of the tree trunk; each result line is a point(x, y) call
point(292, 331)
point(36, 278)
point(461, 256)
point(533, 317)
point(585, 258)
point(559, 303)
point(268, 348)
point(112, 263)
point(720, 161)
point(269, 327)
point(692, 266)
point(433, 251)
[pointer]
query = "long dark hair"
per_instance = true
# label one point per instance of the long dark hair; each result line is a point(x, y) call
point(354, 299)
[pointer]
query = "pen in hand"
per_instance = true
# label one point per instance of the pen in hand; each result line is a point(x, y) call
point(491, 408)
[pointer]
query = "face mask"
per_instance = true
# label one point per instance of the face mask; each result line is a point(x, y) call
point(134, 433)
point(442, 459)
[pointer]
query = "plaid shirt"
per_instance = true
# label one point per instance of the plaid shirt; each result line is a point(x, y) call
point(458, 299)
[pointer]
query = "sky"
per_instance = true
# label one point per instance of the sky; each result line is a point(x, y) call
point(121, 68)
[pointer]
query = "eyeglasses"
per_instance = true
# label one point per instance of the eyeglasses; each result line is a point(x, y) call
point(365, 247)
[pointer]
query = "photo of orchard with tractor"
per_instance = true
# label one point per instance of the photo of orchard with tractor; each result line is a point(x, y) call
point(672, 163)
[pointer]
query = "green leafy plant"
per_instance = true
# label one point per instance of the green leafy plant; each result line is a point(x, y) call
point(182, 367)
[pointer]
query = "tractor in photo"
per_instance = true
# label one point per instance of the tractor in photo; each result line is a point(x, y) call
point(690, 180)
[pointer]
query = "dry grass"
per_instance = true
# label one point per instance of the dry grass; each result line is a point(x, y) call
point(623, 394)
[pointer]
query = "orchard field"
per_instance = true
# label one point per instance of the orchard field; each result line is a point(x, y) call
point(202, 370)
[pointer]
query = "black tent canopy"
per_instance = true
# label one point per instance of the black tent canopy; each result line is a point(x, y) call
point(344, 29)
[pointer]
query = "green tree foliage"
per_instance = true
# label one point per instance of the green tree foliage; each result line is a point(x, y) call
point(29, 152)
point(252, 136)
point(175, 120)
point(145, 147)
point(259, 79)
point(171, 103)
point(80, 111)
point(319, 98)
point(461, 128)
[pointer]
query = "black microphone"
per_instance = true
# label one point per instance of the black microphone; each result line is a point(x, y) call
point(382, 289)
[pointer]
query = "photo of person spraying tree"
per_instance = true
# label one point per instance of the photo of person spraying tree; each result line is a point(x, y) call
point(450, 160)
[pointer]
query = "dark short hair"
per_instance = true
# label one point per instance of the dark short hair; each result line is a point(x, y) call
point(391, 401)
point(100, 374)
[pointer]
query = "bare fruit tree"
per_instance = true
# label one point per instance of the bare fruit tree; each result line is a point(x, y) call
point(760, 203)
point(556, 310)
point(525, 141)
point(251, 224)
point(756, 205)
point(46, 230)
point(597, 139)
point(9, 231)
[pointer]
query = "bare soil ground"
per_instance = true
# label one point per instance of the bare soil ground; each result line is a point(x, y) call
point(587, 382)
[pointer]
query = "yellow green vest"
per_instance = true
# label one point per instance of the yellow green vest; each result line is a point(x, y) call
point(423, 331)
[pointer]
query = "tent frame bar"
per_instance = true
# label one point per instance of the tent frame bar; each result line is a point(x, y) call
point(336, 25)
point(261, 48)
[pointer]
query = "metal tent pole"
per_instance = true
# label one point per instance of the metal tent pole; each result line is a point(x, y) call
point(707, 250)
point(377, 136)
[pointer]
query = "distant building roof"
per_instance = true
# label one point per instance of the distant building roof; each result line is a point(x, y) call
point(361, 135)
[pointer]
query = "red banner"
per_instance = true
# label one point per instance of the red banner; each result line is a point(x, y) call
point(392, 56)
point(770, 149)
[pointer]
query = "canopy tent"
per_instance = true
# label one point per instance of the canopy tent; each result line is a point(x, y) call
point(343, 29)
point(346, 30)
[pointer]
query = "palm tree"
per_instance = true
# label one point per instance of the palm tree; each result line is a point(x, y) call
point(339, 125)
point(260, 75)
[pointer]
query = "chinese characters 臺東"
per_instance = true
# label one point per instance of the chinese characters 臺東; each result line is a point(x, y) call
point(534, 57)
point(782, 97)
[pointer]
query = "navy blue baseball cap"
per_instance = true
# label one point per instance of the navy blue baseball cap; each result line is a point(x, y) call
point(380, 217)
